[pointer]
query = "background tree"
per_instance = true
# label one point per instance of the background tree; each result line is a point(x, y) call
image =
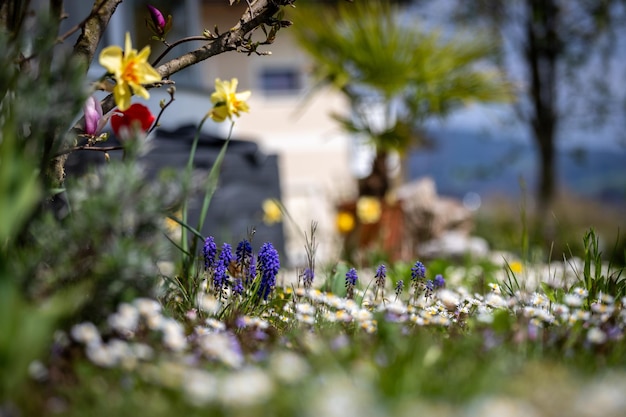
point(554, 42)
point(396, 70)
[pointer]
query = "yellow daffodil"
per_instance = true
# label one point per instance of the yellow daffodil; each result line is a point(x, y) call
point(271, 212)
point(368, 210)
point(130, 70)
point(345, 222)
point(227, 102)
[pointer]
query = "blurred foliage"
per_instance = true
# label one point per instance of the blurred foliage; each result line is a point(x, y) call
point(401, 69)
point(509, 226)
point(65, 252)
point(26, 330)
point(112, 236)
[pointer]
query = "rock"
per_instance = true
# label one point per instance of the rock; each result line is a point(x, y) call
point(454, 244)
point(429, 216)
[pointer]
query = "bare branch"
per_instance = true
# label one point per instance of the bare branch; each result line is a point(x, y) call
point(93, 28)
point(80, 25)
point(262, 12)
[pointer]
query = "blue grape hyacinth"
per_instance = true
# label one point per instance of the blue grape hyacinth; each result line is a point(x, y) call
point(269, 263)
point(209, 251)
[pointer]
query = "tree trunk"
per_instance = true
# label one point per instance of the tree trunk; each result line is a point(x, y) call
point(377, 183)
point(542, 50)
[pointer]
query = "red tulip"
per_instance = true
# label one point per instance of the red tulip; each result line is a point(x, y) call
point(136, 115)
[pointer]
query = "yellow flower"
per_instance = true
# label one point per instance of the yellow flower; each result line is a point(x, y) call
point(345, 222)
point(368, 210)
point(516, 267)
point(173, 228)
point(227, 102)
point(271, 212)
point(130, 70)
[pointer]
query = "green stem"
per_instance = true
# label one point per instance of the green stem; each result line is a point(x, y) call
point(212, 180)
point(186, 188)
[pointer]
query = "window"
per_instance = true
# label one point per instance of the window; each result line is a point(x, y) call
point(280, 80)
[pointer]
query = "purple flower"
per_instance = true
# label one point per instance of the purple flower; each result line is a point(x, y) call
point(226, 255)
point(269, 263)
point(209, 251)
point(418, 271)
point(221, 270)
point(307, 277)
point(351, 278)
point(219, 278)
point(243, 254)
point(439, 282)
point(238, 288)
point(157, 19)
point(399, 287)
point(381, 274)
point(94, 121)
point(251, 271)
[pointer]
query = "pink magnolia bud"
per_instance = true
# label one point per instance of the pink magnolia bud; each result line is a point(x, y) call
point(93, 116)
point(157, 19)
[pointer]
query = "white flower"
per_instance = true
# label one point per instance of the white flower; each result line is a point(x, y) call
point(580, 292)
point(208, 303)
point(449, 299)
point(602, 308)
point(147, 307)
point(572, 300)
point(544, 315)
point(363, 315)
point(539, 300)
point(560, 309)
point(102, 355)
point(246, 388)
point(596, 336)
point(606, 298)
point(86, 333)
point(215, 324)
point(125, 320)
point(222, 347)
point(305, 308)
point(485, 317)
point(288, 366)
point(305, 318)
point(440, 320)
point(142, 351)
point(173, 335)
point(37, 371)
point(334, 301)
point(200, 387)
point(351, 306)
point(329, 316)
point(495, 300)
point(495, 288)
point(339, 396)
point(396, 307)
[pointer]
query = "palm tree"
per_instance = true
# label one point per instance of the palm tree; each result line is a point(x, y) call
point(406, 73)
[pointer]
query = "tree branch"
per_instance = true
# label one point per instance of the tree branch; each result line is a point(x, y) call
point(93, 28)
point(262, 12)
point(80, 25)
